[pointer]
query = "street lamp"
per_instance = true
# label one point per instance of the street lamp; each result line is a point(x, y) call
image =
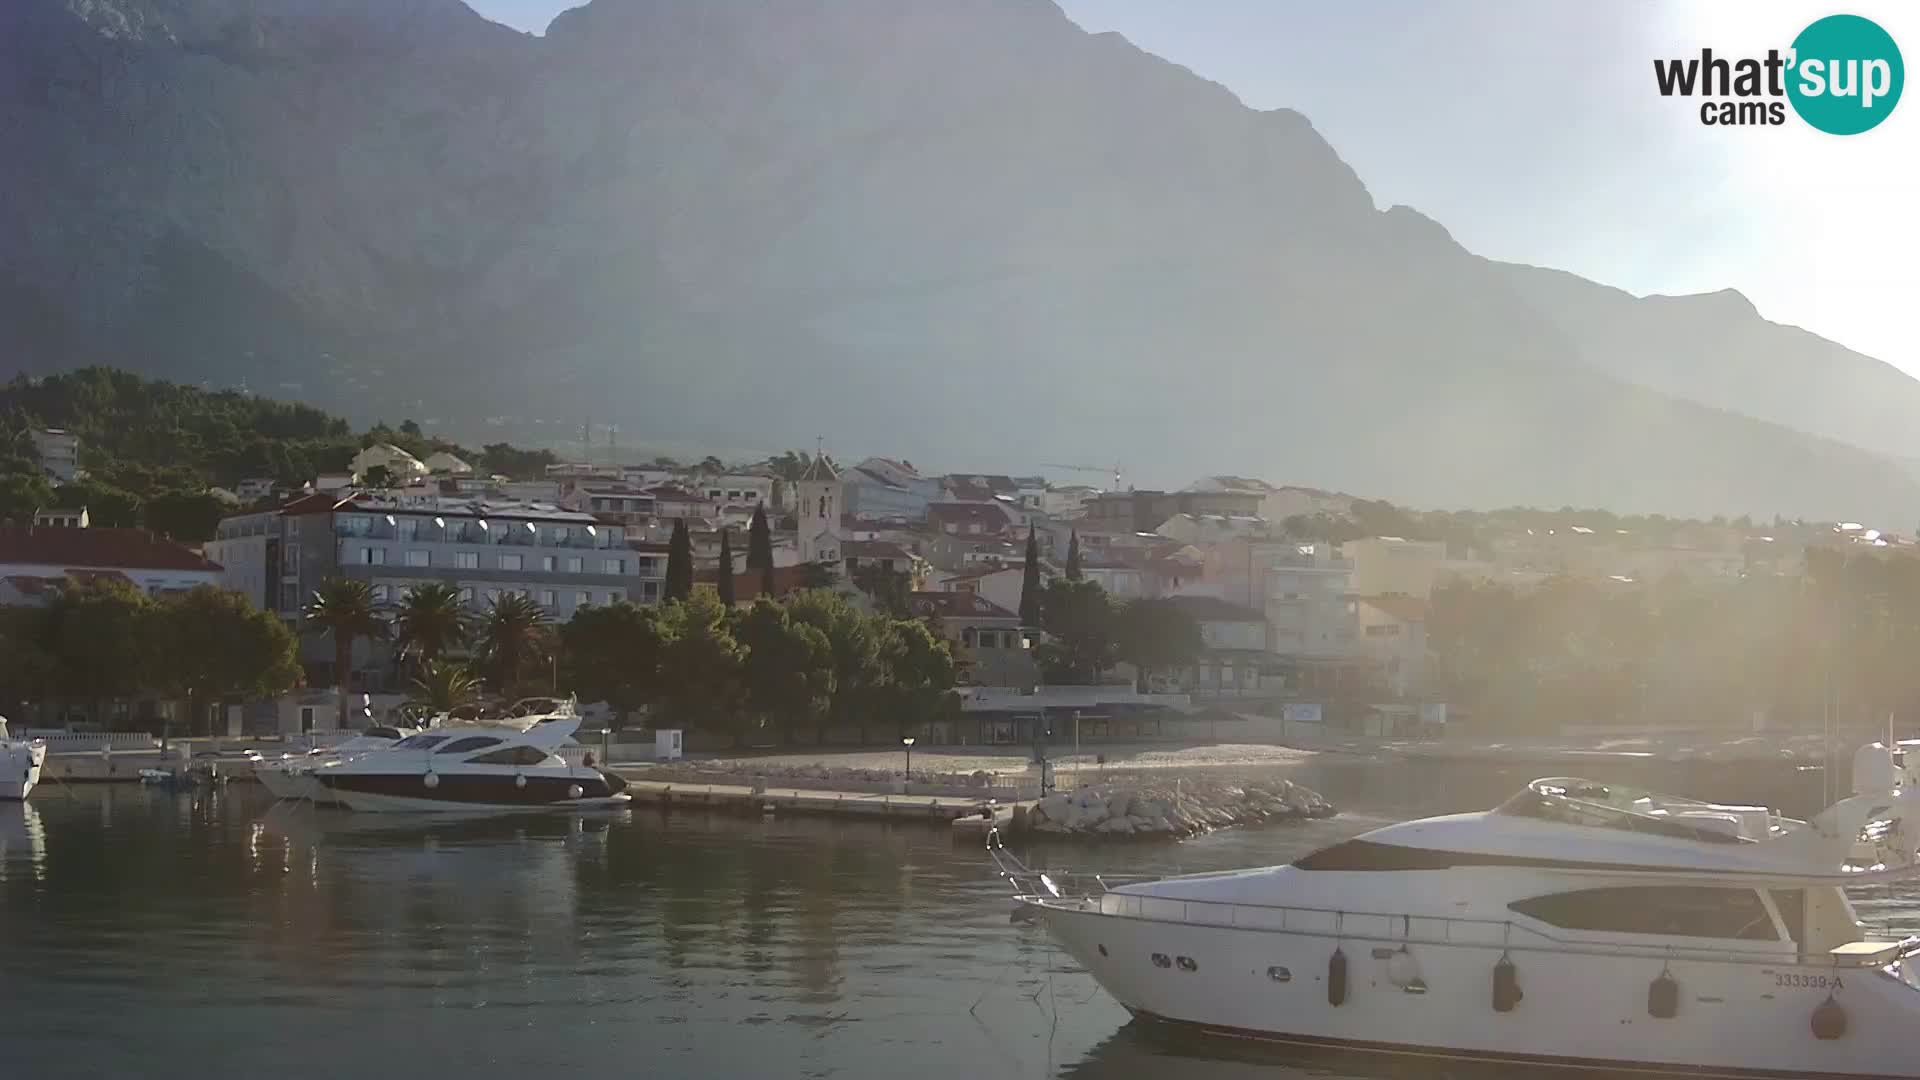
point(908, 743)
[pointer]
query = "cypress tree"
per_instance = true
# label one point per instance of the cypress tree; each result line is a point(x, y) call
point(759, 541)
point(1030, 585)
point(766, 581)
point(726, 567)
point(1073, 556)
point(679, 563)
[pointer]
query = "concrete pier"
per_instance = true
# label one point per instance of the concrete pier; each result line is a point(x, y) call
point(786, 800)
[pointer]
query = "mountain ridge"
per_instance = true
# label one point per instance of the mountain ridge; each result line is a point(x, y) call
point(971, 233)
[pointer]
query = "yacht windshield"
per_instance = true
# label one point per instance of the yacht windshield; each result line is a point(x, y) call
point(420, 742)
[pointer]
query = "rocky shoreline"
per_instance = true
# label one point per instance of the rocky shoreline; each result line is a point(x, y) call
point(1172, 809)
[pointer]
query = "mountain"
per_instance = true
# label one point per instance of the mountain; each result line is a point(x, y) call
point(966, 233)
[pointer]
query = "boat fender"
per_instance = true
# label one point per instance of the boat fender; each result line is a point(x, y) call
point(574, 791)
point(1663, 997)
point(1829, 1020)
point(1506, 985)
point(1337, 977)
point(520, 780)
point(432, 780)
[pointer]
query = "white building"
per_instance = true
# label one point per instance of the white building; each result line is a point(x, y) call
point(1237, 662)
point(400, 465)
point(442, 463)
point(1393, 637)
point(1308, 604)
point(817, 495)
point(62, 518)
point(59, 452)
point(735, 490)
point(1384, 565)
point(31, 559)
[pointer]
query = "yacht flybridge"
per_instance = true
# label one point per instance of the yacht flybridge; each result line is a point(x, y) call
point(1577, 924)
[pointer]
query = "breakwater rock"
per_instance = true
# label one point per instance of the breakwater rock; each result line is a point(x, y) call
point(1172, 808)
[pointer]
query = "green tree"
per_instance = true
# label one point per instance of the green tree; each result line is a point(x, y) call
point(344, 609)
point(1073, 555)
point(377, 476)
point(98, 637)
point(725, 579)
point(612, 653)
point(28, 665)
point(1155, 635)
point(788, 674)
point(430, 621)
point(513, 640)
point(1030, 584)
point(759, 541)
point(679, 583)
point(854, 640)
point(817, 575)
point(212, 645)
point(705, 688)
point(189, 517)
point(1078, 620)
point(887, 589)
point(443, 686)
point(920, 674)
point(23, 491)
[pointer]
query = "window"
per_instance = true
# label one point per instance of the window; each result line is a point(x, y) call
point(510, 562)
point(714, 493)
point(547, 598)
point(649, 592)
point(582, 599)
point(1792, 905)
point(650, 566)
point(466, 594)
point(409, 528)
point(615, 566)
point(549, 563)
point(419, 557)
point(575, 564)
point(470, 742)
point(306, 718)
point(373, 556)
point(1669, 910)
point(510, 755)
point(419, 742)
point(467, 560)
point(380, 594)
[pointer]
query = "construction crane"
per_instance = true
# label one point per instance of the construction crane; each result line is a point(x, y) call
point(1114, 469)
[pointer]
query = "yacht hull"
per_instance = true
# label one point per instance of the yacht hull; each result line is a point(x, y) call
point(409, 792)
point(20, 765)
point(1750, 1018)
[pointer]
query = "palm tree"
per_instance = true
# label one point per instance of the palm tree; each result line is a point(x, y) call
point(430, 621)
point(345, 609)
point(514, 633)
point(443, 686)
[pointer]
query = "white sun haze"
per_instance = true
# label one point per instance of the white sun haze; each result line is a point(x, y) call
point(1835, 216)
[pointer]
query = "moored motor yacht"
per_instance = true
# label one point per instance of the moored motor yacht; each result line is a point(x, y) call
point(473, 766)
point(1578, 924)
point(20, 764)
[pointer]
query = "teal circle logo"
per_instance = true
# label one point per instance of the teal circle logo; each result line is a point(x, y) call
point(1846, 74)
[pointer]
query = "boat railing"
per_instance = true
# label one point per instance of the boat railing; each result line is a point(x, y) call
point(1093, 893)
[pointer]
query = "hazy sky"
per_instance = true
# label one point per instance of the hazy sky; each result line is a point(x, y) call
point(1532, 130)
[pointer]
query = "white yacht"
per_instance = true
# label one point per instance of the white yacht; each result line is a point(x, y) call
point(290, 776)
point(510, 765)
point(1578, 924)
point(20, 763)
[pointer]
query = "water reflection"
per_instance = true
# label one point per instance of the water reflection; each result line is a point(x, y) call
point(23, 841)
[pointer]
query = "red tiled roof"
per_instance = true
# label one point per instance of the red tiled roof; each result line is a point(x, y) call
point(132, 549)
point(1402, 607)
point(746, 583)
point(957, 604)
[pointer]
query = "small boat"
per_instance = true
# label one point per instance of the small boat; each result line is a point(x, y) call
point(20, 764)
point(1579, 924)
point(508, 765)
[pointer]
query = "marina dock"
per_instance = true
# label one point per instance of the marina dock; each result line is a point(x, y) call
point(758, 799)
